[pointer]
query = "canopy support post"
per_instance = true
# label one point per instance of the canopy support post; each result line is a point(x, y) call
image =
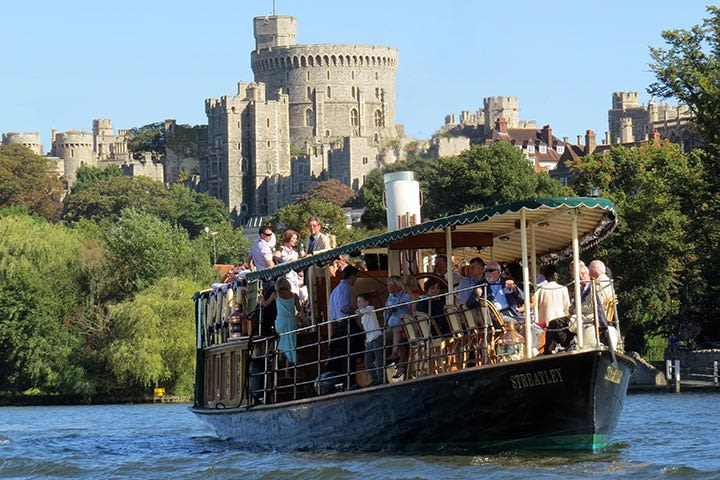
point(526, 282)
point(450, 299)
point(576, 278)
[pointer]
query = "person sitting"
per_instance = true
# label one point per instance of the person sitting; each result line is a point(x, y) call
point(441, 268)
point(476, 275)
point(396, 306)
point(559, 332)
point(502, 292)
point(434, 307)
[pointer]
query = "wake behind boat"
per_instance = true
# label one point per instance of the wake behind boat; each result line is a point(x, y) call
point(476, 387)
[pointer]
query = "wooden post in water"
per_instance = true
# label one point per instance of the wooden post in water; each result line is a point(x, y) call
point(677, 376)
point(668, 372)
point(715, 373)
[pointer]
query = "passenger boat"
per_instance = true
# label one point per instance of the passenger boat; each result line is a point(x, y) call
point(463, 392)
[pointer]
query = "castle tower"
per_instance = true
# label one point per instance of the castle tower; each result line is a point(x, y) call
point(506, 107)
point(29, 139)
point(628, 120)
point(76, 149)
point(248, 161)
point(334, 91)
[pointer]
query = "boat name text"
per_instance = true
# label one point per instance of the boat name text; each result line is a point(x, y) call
point(535, 379)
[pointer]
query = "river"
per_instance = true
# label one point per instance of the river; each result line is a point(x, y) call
point(659, 436)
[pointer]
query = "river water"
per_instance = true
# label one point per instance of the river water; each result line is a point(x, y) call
point(659, 436)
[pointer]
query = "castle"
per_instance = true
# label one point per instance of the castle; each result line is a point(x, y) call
point(313, 112)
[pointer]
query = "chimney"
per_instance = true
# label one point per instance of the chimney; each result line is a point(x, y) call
point(547, 135)
point(501, 125)
point(579, 140)
point(607, 138)
point(565, 139)
point(589, 142)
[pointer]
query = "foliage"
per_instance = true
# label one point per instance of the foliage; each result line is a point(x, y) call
point(148, 138)
point(29, 180)
point(142, 248)
point(651, 253)
point(155, 334)
point(331, 191)
point(295, 151)
point(689, 70)
point(482, 177)
point(40, 275)
point(107, 198)
point(89, 175)
point(196, 210)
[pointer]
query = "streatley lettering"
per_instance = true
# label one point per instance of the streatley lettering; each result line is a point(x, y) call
point(536, 379)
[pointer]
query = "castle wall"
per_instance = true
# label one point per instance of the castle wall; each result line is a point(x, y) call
point(30, 140)
point(334, 90)
point(76, 149)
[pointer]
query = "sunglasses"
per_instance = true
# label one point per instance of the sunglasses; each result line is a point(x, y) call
point(491, 269)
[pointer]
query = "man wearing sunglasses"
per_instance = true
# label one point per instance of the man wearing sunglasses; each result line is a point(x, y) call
point(502, 292)
point(261, 250)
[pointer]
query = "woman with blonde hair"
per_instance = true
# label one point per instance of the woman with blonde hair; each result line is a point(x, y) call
point(397, 296)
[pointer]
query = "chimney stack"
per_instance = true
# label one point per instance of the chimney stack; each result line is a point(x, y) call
point(547, 135)
point(579, 140)
point(589, 142)
point(501, 124)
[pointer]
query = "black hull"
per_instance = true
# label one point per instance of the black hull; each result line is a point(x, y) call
point(567, 401)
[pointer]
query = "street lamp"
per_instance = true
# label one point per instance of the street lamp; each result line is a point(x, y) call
point(212, 234)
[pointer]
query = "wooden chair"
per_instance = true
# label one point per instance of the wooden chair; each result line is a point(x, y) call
point(416, 344)
point(460, 338)
point(489, 316)
point(435, 347)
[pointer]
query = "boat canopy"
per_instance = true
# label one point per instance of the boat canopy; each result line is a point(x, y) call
point(497, 227)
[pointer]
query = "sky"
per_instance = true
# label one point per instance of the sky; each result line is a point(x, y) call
point(62, 64)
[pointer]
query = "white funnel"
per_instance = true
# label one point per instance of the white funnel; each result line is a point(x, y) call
point(402, 200)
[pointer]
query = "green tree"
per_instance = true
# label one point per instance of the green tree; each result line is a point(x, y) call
point(89, 175)
point(295, 216)
point(40, 278)
point(689, 70)
point(651, 253)
point(148, 138)
point(155, 334)
point(482, 177)
point(195, 210)
point(29, 180)
point(141, 248)
point(106, 199)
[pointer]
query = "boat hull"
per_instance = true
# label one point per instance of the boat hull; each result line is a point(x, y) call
point(562, 401)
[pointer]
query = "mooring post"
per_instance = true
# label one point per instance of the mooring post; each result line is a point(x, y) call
point(715, 373)
point(677, 376)
point(668, 370)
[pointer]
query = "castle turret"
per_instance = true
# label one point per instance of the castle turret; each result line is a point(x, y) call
point(76, 149)
point(30, 140)
point(274, 31)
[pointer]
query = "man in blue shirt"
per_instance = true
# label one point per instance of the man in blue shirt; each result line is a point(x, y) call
point(342, 309)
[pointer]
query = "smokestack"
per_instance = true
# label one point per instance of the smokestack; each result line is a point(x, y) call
point(547, 135)
point(589, 142)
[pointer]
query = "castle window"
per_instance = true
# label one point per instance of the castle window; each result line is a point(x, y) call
point(377, 76)
point(354, 120)
point(377, 93)
point(239, 146)
point(378, 118)
point(309, 92)
point(376, 138)
point(327, 133)
point(268, 143)
point(352, 74)
point(365, 160)
point(308, 74)
point(353, 92)
point(363, 179)
point(329, 92)
point(268, 122)
point(328, 74)
point(309, 118)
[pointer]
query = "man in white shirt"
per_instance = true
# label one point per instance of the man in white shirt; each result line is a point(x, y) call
point(261, 250)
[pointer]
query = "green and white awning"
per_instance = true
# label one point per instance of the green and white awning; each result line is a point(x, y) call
point(500, 225)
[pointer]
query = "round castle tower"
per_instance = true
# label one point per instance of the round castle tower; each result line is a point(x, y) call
point(334, 90)
point(506, 107)
point(30, 140)
point(76, 148)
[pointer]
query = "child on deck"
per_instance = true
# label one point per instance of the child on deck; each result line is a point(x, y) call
point(373, 338)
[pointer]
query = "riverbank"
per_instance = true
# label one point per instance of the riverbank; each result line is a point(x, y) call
point(52, 400)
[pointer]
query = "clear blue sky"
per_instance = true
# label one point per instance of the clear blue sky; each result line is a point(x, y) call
point(64, 63)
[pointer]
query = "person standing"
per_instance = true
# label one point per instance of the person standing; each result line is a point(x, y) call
point(373, 338)
point(342, 307)
point(317, 241)
point(261, 250)
point(288, 306)
point(286, 253)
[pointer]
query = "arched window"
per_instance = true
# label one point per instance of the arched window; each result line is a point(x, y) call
point(329, 92)
point(354, 120)
point(379, 118)
point(309, 118)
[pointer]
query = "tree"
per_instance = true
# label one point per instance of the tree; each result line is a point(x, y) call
point(148, 138)
point(29, 180)
point(89, 175)
point(689, 70)
point(295, 216)
point(482, 177)
point(107, 198)
point(40, 278)
point(155, 334)
point(141, 248)
point(331, 191)
point(651, 253)
point(197, 210)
